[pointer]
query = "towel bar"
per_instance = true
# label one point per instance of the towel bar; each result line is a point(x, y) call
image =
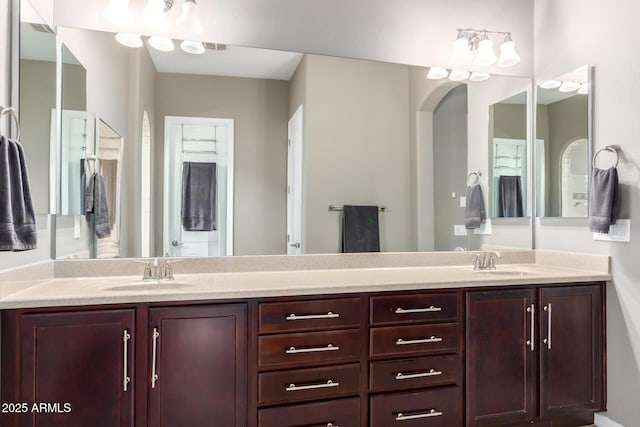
point(615, 149)
point(336, 208)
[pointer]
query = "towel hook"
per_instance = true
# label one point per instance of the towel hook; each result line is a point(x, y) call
point(477, 175)
point(12, 112)
point(615, 149)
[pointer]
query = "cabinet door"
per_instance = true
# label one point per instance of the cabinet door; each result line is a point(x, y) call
point(500, 361)
point(81, 359)
point(571, 325)
point(200, 366)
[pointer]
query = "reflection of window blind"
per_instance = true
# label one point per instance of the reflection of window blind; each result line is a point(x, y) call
point(109, 170)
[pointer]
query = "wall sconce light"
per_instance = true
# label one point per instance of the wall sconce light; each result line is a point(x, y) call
point(193, 47)
point(437, 73)
point(154, 15)
point(163, 44)
point(189, 21)
point(117, 12)
point(476, 46)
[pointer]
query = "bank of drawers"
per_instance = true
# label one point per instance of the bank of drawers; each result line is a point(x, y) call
point(310, 351)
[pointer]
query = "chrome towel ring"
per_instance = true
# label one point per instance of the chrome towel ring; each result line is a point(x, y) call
point(12, 112)
point(615, 149)
point(472, 174)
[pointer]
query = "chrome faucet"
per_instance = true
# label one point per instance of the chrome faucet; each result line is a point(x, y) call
point(154, 271)
point(486, 260)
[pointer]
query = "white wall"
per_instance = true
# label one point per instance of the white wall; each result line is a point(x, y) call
point(571, 33)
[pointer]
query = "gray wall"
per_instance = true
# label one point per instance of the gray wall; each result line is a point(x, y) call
point(356, 148)
point(450, 171)
point(563, 44)
point(261, 111)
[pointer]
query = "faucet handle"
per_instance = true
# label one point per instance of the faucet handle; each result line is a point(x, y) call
point(146, 275)
point(479, 262)
point(168, 269)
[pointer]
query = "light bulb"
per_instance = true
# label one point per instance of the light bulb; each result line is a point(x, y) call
point(129, 39)
point(569, 86)
point(508, 54)
point(192, 47)
point(154, 16)
point(163, 44)
point(461, 51)
point(436, 73)
point(486, 55)
point(458, 75)
point(479, 76)
point(550, 84)
point(584, 89)
point(189, 21)
point(117, 12)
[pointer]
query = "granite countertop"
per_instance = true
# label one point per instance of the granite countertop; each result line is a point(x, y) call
point(239, 285)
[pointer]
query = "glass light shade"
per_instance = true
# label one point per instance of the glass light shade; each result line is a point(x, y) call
point(584, 89)
point(436, 73)
point(163, 44)
point(508, 54)
point(189, 21)
point(479, 76)
point(462, 54)
point(129, 39)
point(550, 84)
point(189, 46)
point(154, 16)
point(486, 55)
point(569, 86)
point(117, 12)
point(458, 75)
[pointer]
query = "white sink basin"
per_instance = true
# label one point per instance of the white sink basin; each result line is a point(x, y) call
point(151, 286)
point(506, 273)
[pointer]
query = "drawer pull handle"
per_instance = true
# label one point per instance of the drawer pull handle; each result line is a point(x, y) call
point(329, 383)
point(332, 425)
point(329, 315)
point(329, 347)
point(429, 309)
point(547, 340)
point(432, 413)
point(154, 353)
point(431, 373)
point(432, 339)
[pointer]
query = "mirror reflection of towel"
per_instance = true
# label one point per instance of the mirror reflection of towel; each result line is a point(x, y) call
point(199, 196)
point(95, 201)
point(510, 197)
point(360, 229)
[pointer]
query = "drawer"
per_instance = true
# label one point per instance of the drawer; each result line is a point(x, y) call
point(310, 347)
point(414, 339)
point(308, 384)
point(431, 408)
point(413, 373)
point(309, 315)
point(436, 307)
point(342, 413)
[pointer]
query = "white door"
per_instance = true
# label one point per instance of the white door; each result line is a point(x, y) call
point(73, 151)
point(203, 140)
point(294, 184)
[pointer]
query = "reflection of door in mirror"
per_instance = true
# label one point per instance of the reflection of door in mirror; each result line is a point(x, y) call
point(575, 179)
point(145, 186)
point(294, 184)
point(198, 156)
point(110, 167)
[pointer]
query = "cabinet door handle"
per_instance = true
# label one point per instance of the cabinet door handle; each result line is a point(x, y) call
point(431, 308)
point(432, 413)
point(532, 311)
point(328, 384)
point(154, 354)
point(432, 339)
point(125, 340)
point(329, 347)
point(329, 315)
point(431, 373)
point(547, 340)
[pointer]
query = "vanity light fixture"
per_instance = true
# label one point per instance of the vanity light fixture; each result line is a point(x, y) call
point(189, 21)
point(437, 73)
point(550, 84)
point(129, 39)
point(163, 44)
point(479, 76)
point(154, 15)
point(193, 47)
point(117, 12)
point(470, 42)
point(458, 75)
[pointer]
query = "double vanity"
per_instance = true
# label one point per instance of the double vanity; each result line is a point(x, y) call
point(422, 339)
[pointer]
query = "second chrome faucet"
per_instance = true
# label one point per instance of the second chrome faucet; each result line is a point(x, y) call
point(486, 260)
point(153, 270)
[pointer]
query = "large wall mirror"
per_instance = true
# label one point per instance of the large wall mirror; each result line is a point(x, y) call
point(241, 122)
point(563, 148)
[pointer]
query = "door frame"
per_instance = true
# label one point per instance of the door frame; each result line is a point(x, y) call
point(295, 134)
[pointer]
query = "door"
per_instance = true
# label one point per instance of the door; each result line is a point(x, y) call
point(571, 325)
point(294, 184)
point(199, 140)
point(199, 373)
point(83, 363)
point(501, 360)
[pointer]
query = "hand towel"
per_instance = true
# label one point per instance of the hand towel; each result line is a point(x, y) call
point(474, 213)
point(604, 199)
point(360, 229)
point(199, 196)
point(96, 203)
point(510, 197)
point(17, 217)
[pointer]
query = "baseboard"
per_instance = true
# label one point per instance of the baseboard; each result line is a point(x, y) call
point(602, 420)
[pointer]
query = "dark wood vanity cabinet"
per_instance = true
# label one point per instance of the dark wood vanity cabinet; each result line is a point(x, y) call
point(535, 355)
